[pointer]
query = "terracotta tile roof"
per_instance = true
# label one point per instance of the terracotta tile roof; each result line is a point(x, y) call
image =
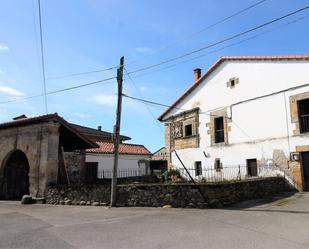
point(229, 58)
point(108, 148)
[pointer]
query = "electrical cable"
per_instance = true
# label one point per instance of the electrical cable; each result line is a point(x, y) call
point(139, 92)
point(220, 41)
point(224, 47)
point(59, 91)
point(42, 56)
point(167, 46)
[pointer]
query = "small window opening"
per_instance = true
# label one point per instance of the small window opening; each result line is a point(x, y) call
point(219, 130)
point(218, 164)
point(188, 130)
point(303, 107)
point(198, 168)
point(232, 82)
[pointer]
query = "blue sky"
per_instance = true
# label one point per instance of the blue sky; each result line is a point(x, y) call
point(81, 35)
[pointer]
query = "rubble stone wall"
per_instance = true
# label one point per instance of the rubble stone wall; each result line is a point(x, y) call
point(177, 195)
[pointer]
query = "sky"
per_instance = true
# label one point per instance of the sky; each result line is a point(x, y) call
point(88, 35)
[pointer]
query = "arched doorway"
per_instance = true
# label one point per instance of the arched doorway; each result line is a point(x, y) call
point(15, 182)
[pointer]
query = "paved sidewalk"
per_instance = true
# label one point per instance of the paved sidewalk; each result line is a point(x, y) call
point(283, 223)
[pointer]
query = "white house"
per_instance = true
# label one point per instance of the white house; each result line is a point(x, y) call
point(244, 110)
point(133, 158)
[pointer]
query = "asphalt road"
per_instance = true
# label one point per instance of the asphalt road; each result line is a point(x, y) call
point(280, 224)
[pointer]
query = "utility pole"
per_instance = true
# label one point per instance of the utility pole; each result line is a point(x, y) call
point(117, 133)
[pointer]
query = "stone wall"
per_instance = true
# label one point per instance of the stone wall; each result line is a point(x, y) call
point(175, 137)
point(177, 195)
point(75, 163)
point(39, 142)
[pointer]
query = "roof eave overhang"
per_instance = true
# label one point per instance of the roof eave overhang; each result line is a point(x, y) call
point(217, 63)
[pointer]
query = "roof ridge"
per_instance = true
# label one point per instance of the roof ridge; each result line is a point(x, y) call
point(121, 143)
point(218, 62)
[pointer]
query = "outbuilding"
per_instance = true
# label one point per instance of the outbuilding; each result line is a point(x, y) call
point(37, 152)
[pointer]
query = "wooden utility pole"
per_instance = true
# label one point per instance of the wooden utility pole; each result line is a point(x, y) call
point(117, 133)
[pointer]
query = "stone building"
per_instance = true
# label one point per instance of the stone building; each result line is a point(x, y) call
point(39, 151)
point(251, 111)
point(159, 160)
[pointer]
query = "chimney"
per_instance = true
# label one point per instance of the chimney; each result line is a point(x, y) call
point(197, 74)
point(23, 116)
point(99, 128)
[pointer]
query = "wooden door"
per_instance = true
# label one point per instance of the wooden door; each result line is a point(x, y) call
point(252, 167)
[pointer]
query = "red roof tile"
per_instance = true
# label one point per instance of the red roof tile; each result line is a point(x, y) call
point(229, 58)
point(108, 148)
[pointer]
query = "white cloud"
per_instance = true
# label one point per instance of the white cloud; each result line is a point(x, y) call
point(105, 99)
point(3, 47)
point(144, 50)
point(79, 115)
point(10, 91)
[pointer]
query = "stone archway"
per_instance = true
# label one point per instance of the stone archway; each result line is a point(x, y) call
point(15, 176)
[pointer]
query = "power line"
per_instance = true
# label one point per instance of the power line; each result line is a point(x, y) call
point(82, 73)
point(163, 105)
point(96, 82)
point(205, 113)
point(35, 32)
point(150, 102)
point(202, 30)
point(147, 107)
point(224, 47)
point(59, 91)
point(168, 45)
point(42, 56)
point(221, 41)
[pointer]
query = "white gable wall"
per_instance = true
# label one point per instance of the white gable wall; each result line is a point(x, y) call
point(259, 127)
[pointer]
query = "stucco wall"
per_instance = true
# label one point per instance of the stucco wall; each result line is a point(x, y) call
point(125, 162)
point(261, 128)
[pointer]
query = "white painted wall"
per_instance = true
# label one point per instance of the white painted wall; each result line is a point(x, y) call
point(125, 162)
point(259, 127)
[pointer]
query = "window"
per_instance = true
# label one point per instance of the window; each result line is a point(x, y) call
point(219, 130)
point(218, 164)
point(188, 130)
point(232, 82)
point(198, 168)
point(91, 171)
point(303, 111)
